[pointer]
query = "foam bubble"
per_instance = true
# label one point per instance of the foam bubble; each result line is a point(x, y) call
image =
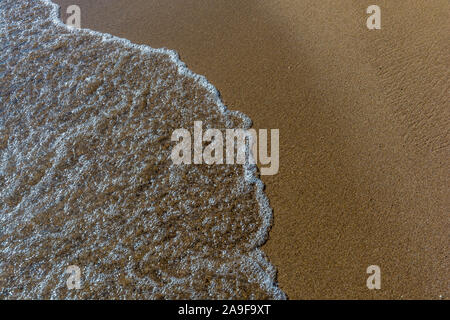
point(86, 176)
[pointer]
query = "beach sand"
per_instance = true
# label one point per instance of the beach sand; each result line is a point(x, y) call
point(364, 127)
point(88, 181)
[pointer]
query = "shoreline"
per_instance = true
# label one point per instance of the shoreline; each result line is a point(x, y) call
point(252, 275)
point(361, 181)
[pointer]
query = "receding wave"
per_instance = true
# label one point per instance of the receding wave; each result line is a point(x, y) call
point(86, 177)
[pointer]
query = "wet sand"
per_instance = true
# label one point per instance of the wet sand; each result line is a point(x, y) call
point(364, 127)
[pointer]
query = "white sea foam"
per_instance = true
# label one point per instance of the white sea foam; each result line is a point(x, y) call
point(85, 175)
